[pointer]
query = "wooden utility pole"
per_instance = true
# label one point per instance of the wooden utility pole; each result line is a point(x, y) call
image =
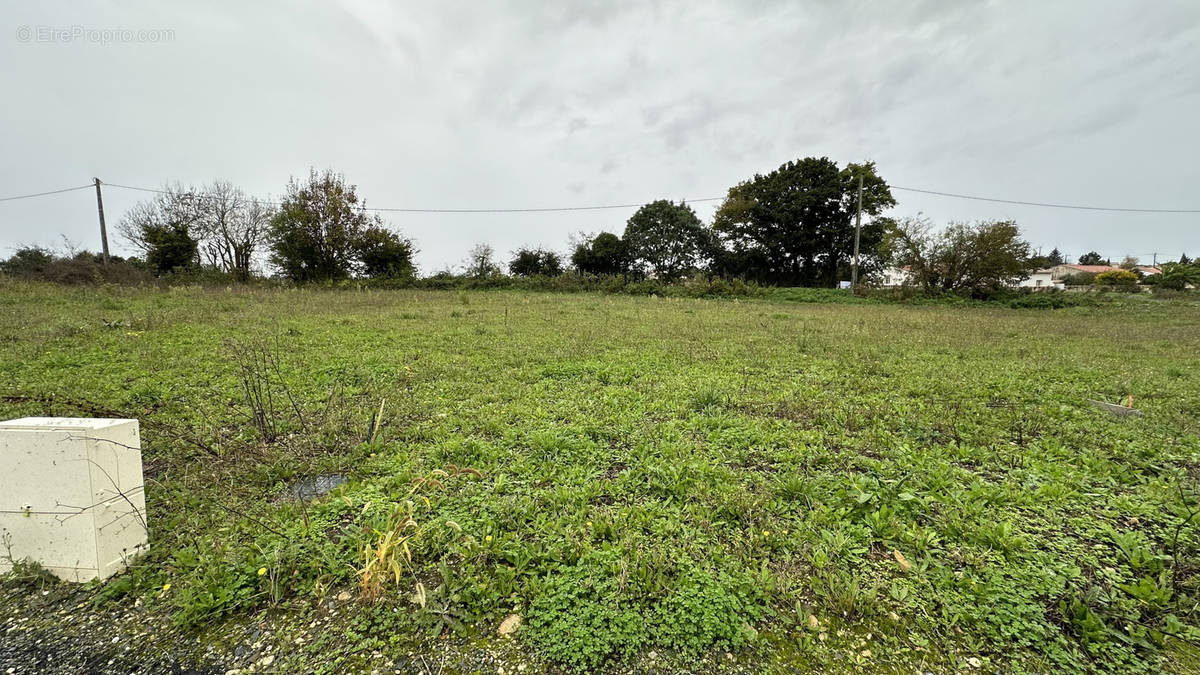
point(857, 234)
point(103, 230)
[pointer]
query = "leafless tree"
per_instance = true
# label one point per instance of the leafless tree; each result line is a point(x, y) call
point(232, 227)
point(480, 261)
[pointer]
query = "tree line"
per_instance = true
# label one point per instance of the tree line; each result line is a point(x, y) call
point(319, 230)
point(793, 226)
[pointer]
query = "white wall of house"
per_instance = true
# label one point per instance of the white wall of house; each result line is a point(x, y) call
point(893, 277)
point(1041, 279)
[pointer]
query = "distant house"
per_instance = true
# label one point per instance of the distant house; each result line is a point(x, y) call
point(1042, 279)
point(1050, 278)
point(894, 277)
point(1059, 272)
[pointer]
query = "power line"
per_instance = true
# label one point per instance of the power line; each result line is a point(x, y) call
point(1045, 204)
point(553, 209)
point(715, 199)
point(43, 194)
point(540, 210)
point(444, 210)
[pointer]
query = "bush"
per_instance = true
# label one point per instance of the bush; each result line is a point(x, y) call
point(827, 295)
point(529, 262)
point(1079, 279)
point(1116, 278)
point(170, 248)
point(1050, 300)
point(28, 262)
point(698, 287)
point(39, 264)
point(1168, 293)
point(384, 254)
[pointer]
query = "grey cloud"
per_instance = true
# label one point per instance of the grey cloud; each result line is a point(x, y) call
point(519, 104)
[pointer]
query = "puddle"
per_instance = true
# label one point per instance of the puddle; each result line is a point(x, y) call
point(311, 487)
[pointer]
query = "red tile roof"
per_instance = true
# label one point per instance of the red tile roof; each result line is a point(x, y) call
point(1097, 269)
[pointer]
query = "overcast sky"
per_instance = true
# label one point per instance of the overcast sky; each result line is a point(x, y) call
point(545, 104)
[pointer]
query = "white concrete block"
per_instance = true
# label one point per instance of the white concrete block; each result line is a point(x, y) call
point(71, 495)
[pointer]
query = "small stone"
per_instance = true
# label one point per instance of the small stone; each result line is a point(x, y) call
point(974, 662)
point(266, 660)
point(233, 671)
point(813, 622)
point(510, 624)
point(521, 668)
point(344, 596)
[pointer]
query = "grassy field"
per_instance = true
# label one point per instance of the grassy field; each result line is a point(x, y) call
point(650, 484)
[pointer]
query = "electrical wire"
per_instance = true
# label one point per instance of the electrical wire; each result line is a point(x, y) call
point(43, 194)
point(544, 209)
point(554, 209)
point(1045, 204)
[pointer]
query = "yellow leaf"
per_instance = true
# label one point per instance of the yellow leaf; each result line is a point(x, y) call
point(407, 553)
point(905, 566)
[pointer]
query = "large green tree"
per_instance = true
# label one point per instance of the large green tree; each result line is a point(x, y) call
point(603, 254)
point(383, 254)
point(316, 234)
point(976, 259)
point(527, 262)
point(795, 225)
point(667, 240)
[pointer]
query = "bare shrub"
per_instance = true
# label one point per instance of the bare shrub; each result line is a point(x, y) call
point(267, 395)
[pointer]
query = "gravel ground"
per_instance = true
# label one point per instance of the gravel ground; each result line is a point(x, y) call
point(56, 629)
